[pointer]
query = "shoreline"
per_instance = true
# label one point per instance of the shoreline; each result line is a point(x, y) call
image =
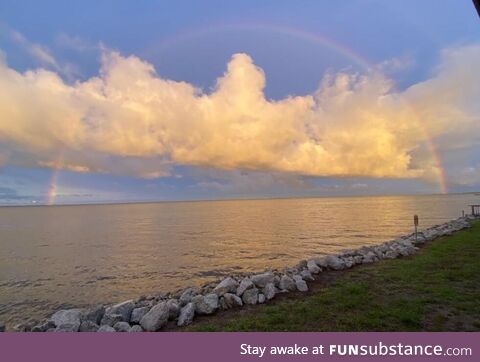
point(163, 310)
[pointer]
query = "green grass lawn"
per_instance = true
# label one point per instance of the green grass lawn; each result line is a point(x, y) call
point(437, 289)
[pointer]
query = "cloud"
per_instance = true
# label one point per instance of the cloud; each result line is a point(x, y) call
point(129, 120)
point(38, 51)
point(41, 54)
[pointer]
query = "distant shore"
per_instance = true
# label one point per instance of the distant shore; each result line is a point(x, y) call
point(234, 293)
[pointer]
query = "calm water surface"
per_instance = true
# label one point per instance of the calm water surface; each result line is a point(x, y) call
point(59, 256)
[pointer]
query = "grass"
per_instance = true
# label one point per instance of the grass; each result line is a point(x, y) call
point(437, 289)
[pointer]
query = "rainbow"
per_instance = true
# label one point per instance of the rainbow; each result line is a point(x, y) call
point(52, 187)
point(318, 39)
point(314, 38)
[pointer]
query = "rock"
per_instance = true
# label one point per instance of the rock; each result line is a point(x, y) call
point(111, 319)
point(296, 277)
point(36, 328)
point(313, 267)
point(335, 263)
point(349, 262)
point(358, 259)
point(369, 257)
point(260, 280)
point(186, 315)
point(261, 298)
point(302, 264)
point(245, 284)
point(68, 319)
point(124, 309)
point(121, 327)
point(88, 326)
point(276, 281)
point(67, 328)
point(23, 327)
point(269, 291)
point(230, 300)
point(106, 328)
point(287, 283)
point(306, 275)
point(137, 314)
point(187, 295)
point(156, 317)
point(227, 285)
point(301, 285)
point(322, 262)
point(43, 327)
point(205, 304)
point(250, 296)
point(95, 314)
point(173, 309)
point(391, 254)
point(135, 329)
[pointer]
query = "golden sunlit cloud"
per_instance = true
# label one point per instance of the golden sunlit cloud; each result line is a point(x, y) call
point(129, 120)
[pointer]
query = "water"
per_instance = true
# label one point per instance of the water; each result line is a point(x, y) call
point(61, 256)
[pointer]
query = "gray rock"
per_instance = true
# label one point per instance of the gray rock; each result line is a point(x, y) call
point(106, 328)
point(245, 284)
point(111, 319)
point(205, 304)
point(22, 327)
point(250, 296)
point(68, 319)
point(261, 298)
point(95, 314)
point(173, 309)
point(260, 280)
point(43, 327)
point(121, 327)
point(137, 314)
point(156, 317)
point(287, 283)
point(187, 295)
point(349, 262)
point(67, 328)
point(302, 264)
point(358, 259)
point(276, 281)
point(322, 262)
point(186, 315)
point(335, 263)
point(227, 285)
point(88, 326)
point(313, 267)
point(306, 275)
point(230, 300)
point(391, 254)
point(269, 291)
point(369, 257)
point(301, 285)
point(124, 309)
point(135, 329)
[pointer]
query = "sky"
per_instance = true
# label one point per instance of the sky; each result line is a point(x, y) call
point(122, 101)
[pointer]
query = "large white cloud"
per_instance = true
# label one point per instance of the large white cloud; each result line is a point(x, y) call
point(128, 120)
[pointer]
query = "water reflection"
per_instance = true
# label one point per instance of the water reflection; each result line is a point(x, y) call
point(77, 255)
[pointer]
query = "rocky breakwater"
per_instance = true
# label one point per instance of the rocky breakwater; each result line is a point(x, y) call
point(153, 313)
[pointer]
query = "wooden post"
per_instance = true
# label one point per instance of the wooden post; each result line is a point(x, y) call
point(473, 209)
point(463, 213)
point(415, 221)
